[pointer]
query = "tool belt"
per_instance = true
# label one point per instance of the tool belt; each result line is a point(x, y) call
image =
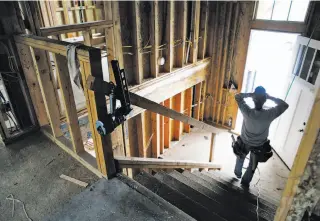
point(262, 154)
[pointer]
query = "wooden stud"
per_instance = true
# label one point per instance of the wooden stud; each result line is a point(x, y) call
point(213, 27)
point(155, 123)
point(118, 54)
point(87, 37)
point(218, 55)
point(188, 107)
point(138, 62)
point(203, 100)
point(195, 31)
point(109, 35)
point(211, 154)
point(169, 36)
point(177, 124)
point(235, 24)
point(47, 90)
point(181, 29)
point(161, 133)
point(302, 157)
point(241, 48)
point(97, 110)
point(224, 61)
point(203, 29)
point(141, 135)
point(69, 102)
point(167, 125)
point(32, 83)
point(197, 101)
point(154, 38)
point(127, 147)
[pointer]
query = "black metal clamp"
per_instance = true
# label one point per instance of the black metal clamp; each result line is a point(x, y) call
point(116, 116)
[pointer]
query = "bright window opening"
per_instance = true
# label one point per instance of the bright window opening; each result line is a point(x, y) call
point(283, 10)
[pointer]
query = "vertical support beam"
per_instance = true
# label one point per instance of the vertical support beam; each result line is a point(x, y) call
point(33, 83)
point(155, 123)
point(195, 31)
point(114, 51)
point(118, 54)
point(203, 29)
point(212, 41)
point(169, 36)
point(241, 48)
point(126, 142)
point(188, 107)
point(87, 37)
point(48, 90)
point(181, 28)
point(177, 124)
point(68, 101)
point(154, 38)
point(203, 99)
point(161, 133)
point(141, 134)
point(109, 35)
point(303, 158)
point(138, 62)
point(197, 101)
point(211, 154)
point(235, 24)
point(224, 61)
point(167, 125)
point(97, 110)
point(216, 66)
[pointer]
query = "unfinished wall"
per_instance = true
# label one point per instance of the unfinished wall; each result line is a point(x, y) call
point(230, 24)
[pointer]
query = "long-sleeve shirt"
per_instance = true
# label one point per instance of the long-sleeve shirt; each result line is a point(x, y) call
point(256, 123)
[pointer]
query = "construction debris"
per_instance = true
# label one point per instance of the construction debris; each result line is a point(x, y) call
point(73, 180)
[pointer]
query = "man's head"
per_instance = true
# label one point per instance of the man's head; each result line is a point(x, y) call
point(260, 97)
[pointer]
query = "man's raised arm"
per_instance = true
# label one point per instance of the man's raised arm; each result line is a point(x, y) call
point(281, 107)
point(243, 106)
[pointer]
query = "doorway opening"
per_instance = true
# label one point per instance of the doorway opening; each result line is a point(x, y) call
point(268, 64)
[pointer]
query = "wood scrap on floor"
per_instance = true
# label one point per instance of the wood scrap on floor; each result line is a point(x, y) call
point(73, 180)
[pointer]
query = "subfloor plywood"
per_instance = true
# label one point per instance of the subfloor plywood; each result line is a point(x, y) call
point(195, 146)
point(30, 170)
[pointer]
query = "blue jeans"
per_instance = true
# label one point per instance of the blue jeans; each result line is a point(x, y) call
point(248, 175)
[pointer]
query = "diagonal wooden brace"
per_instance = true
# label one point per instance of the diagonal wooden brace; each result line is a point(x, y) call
point(157, 108)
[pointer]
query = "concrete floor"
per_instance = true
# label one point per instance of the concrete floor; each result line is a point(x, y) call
point(195, 146)
point(113, 200)
point(30, 170)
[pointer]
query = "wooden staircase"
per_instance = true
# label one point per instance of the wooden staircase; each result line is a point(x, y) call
point(209, 195)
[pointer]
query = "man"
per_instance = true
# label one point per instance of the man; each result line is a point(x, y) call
point(255, 127)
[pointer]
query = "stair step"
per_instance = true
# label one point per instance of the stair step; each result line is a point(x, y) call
point(251, 197)
point(176, 198)
point(223, 197)
point(212, 204)
point(263, 194)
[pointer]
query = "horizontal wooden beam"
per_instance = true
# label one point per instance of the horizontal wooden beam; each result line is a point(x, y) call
point(283, 26)
point(52, 45)
point(62, 29)
point(164, 87)
point(137, 162)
